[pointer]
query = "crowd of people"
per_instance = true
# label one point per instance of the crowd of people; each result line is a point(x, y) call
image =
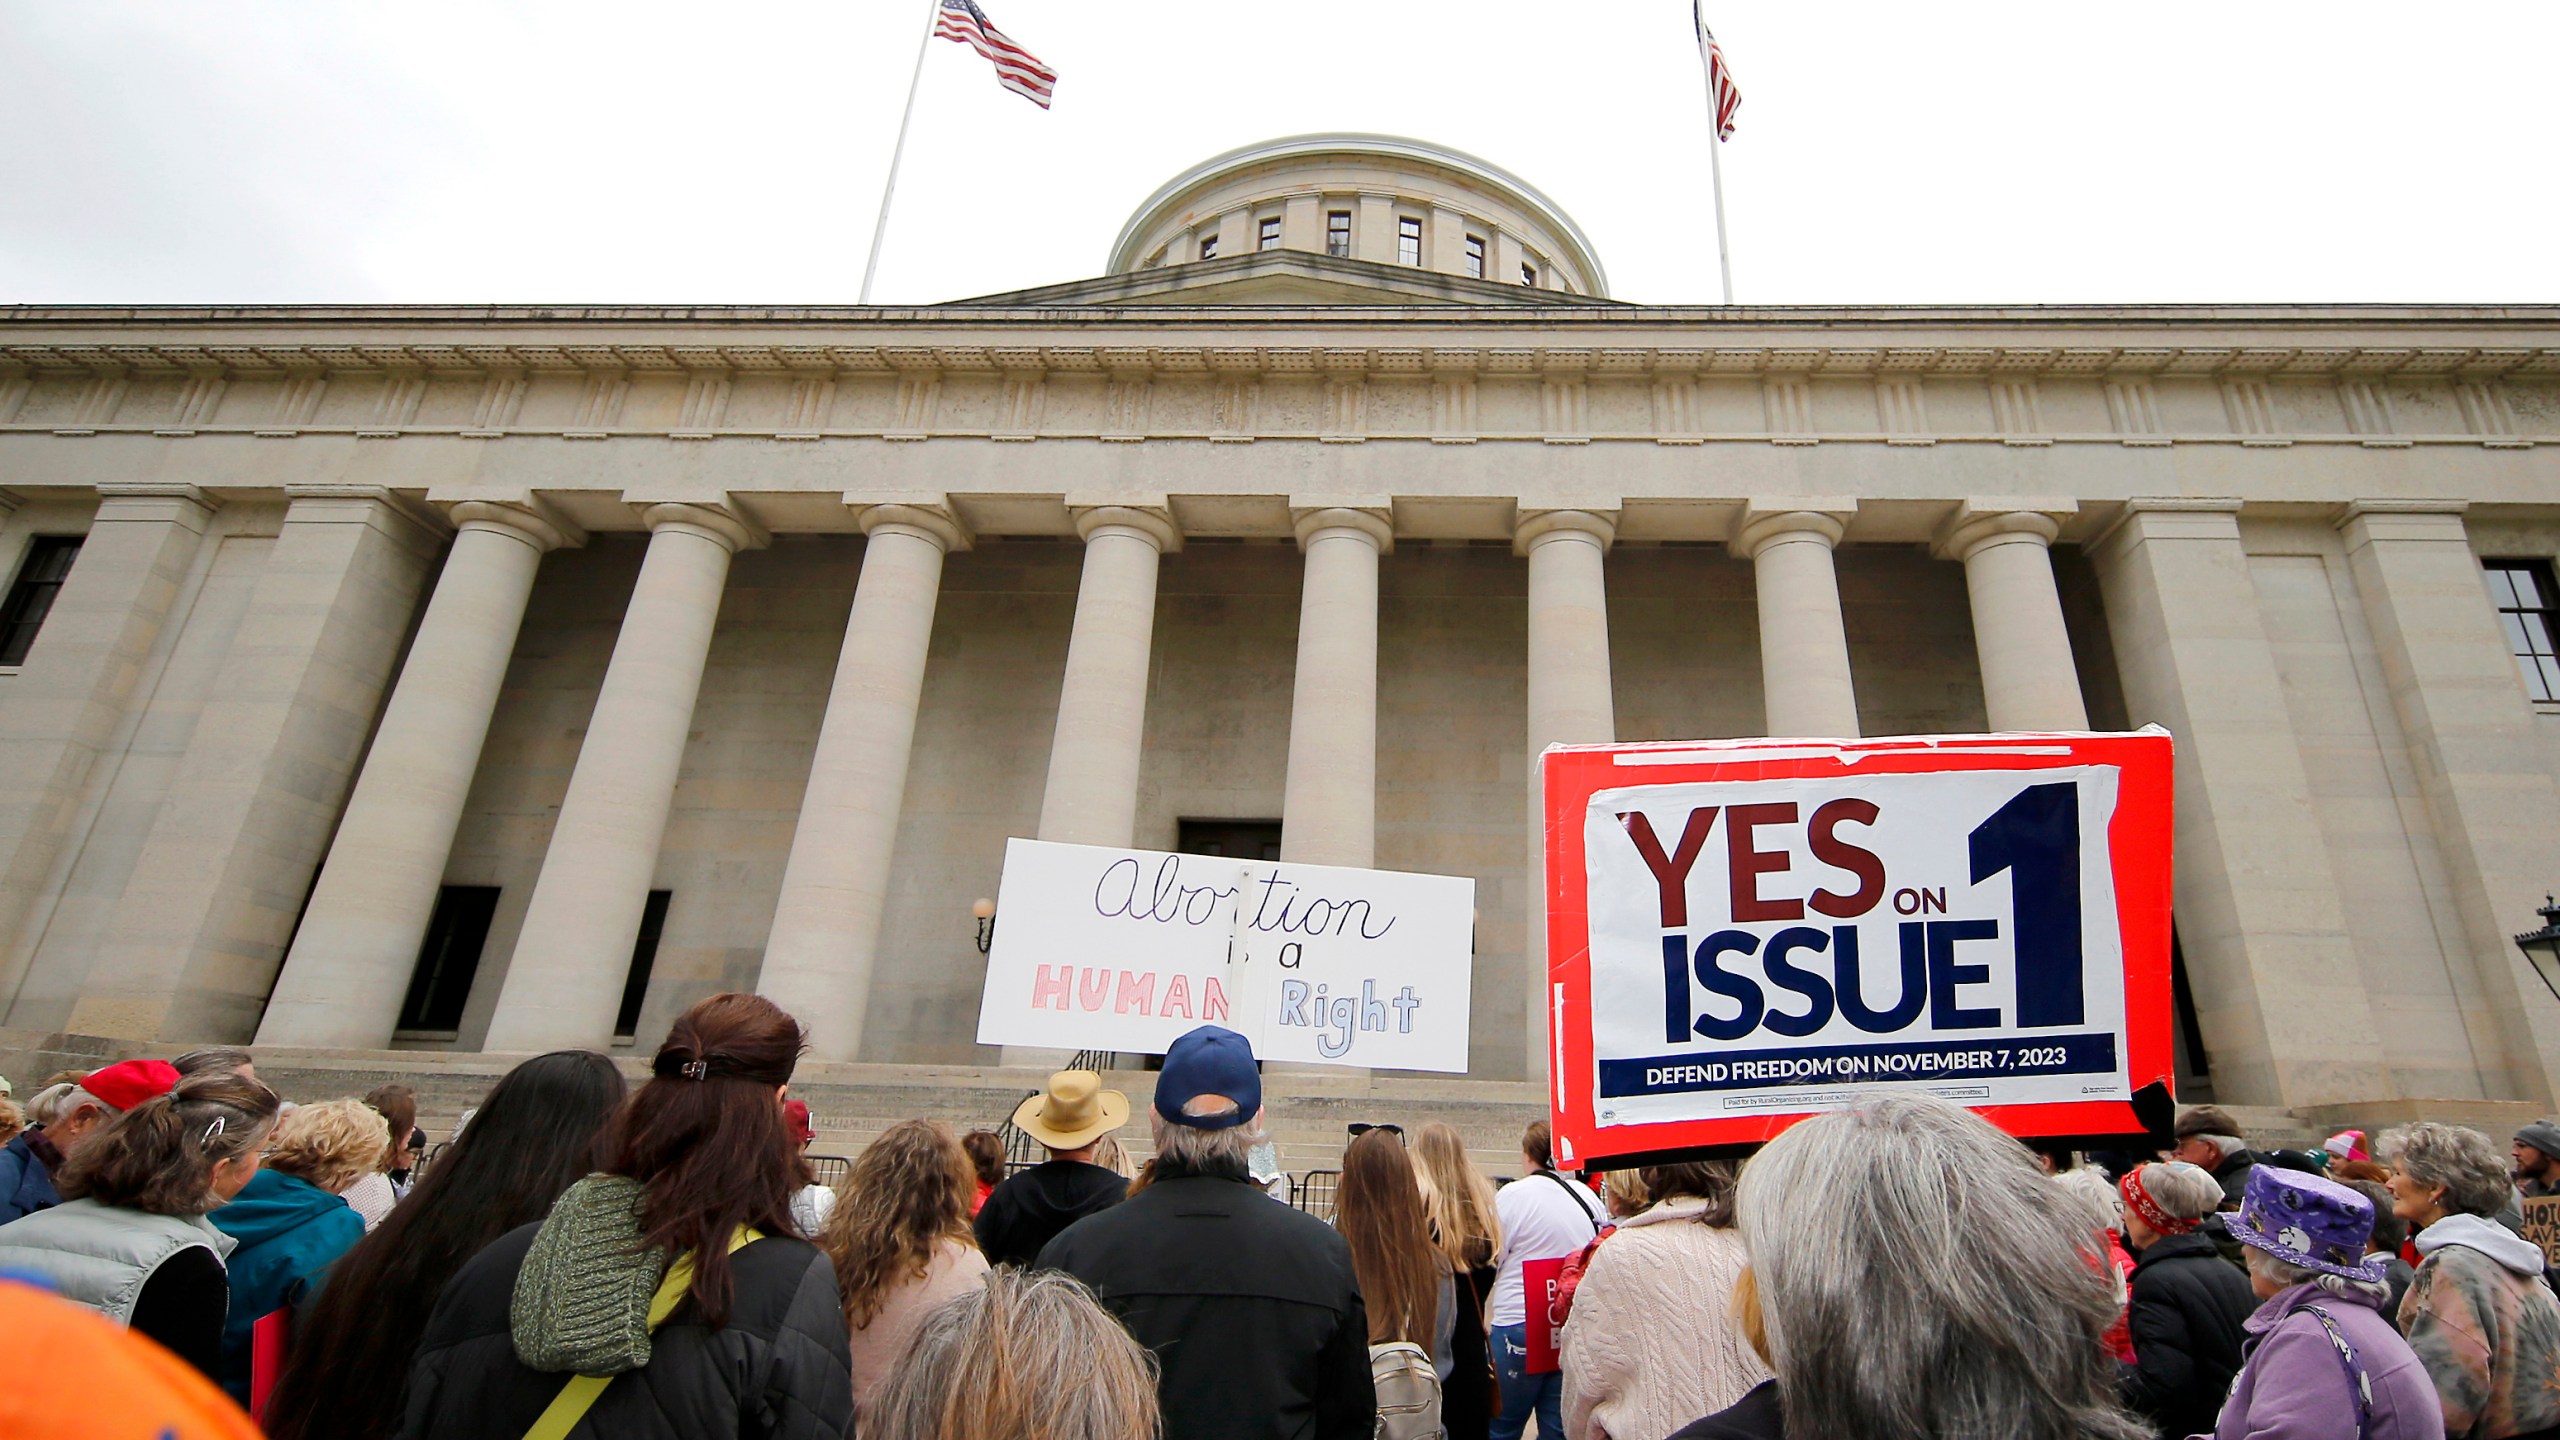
point(587, 1259)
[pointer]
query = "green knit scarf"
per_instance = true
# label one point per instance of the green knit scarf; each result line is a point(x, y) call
point(582, 1300)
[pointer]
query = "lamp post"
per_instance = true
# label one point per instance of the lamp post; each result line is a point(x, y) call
point(985, 910)
point(2542, 947)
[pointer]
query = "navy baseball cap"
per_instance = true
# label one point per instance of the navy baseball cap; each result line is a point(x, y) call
point(1211, 1060)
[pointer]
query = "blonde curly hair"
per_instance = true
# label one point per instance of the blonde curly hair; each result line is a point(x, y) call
point(332, 1144)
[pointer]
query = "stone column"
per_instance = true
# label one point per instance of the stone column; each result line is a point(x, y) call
point(2258, 915)
point(2479, 758)
point(66, 704)
point(2028, 680)
point(1329, 810)
point(1569, 703)
point(1092, 794)
point(824, 944)
point(195, 939)
point(574, 951)
point(1804, 649)
point(344, 979)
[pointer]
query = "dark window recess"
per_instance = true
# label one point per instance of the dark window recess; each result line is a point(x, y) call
point(1267, 234)
point(1475, 256)
point(2525, 597)
point(1337, 234)
point(450, 958)
point(40, 576)
point(1408, 241)
point(1208, 247)
point(644, 957)
point(1231, 839)
point(1529, 275)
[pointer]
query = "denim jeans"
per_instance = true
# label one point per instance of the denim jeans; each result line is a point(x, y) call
point(1523, 1392)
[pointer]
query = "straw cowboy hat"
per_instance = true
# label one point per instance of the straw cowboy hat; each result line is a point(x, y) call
point(1073, 1112)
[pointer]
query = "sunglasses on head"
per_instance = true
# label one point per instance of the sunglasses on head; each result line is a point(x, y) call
point(1359, 1128)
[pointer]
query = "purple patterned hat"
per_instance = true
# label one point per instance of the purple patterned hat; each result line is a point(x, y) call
point(2307, 1221)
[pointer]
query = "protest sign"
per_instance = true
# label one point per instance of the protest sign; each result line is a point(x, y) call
point(1742, 933)
point(2542, 1226)
point(1102, 948)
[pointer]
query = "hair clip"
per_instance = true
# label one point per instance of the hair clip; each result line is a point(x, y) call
point(695, 1069)
point(213, 1131)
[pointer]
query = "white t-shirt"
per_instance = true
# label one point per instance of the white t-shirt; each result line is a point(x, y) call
point(1541, 1220)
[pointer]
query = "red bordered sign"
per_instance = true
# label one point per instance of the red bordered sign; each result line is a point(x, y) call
point(1742, 933)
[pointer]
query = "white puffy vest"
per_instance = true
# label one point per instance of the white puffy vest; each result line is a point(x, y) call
point(100, 1255)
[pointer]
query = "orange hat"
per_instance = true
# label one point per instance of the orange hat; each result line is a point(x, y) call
point(100, 1381)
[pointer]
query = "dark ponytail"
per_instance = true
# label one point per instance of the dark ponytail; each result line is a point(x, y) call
point(159, 1156)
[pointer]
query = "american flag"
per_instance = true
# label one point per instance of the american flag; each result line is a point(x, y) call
point(1017, 69)
point(1719, 76)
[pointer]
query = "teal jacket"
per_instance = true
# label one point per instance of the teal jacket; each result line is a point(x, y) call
point(290, 1232)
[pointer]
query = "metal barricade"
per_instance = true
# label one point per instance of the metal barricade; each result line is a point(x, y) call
point(1313, 1192)
point(831, 1169)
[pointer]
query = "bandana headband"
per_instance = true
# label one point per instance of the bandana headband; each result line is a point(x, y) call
point(2148, 1210)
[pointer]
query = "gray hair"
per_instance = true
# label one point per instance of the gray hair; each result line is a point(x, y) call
point(1917, 1274)
point(1189, 1150)
point(2224, 1145)
point(76, 1098)
point(1025, 1355)
point(2470, 1166)
point(46, 1105)
point(2089, 1192)
point(2285, 1274)
point(2188, 1192)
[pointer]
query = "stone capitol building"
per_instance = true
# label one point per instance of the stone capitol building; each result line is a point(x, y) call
point(495, 679)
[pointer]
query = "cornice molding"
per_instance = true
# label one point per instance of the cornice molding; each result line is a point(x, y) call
point(2294, 364)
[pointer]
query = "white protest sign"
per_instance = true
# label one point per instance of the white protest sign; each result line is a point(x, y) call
point(1102, 948)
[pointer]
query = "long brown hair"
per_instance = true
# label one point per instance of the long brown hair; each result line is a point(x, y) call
point(705, 1137)
point(158, 1157)
point(907, 1194)
point(1460, 1201)
point(1378, 1208)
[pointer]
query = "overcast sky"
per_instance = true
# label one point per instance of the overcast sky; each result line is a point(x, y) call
point(540, 150)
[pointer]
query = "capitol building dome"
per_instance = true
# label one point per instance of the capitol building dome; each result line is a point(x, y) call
point(1345, 218)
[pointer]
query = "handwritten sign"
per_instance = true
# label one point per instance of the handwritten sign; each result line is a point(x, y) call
point(2542, 1226)
point(1743, 933)
point(1102, 948)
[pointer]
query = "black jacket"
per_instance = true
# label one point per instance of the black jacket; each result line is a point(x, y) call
point(1250, 1307)
point(2186, 1309)
point(2233, 1176)
point(781, 1368)
point(1028, 1210)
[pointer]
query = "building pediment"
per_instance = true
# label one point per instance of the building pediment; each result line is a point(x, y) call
point(1283, 278)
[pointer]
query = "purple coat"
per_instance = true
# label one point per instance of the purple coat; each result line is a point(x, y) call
point(2292, 1385)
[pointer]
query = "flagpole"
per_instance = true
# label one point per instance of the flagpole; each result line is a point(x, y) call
point(1715, 168)
point(880, 231)
point(1715, 148)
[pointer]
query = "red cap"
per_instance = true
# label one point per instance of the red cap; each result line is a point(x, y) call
point(129, 1083)
point(795, 1114)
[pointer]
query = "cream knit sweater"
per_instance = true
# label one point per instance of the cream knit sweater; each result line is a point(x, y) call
point(1652, 1344)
